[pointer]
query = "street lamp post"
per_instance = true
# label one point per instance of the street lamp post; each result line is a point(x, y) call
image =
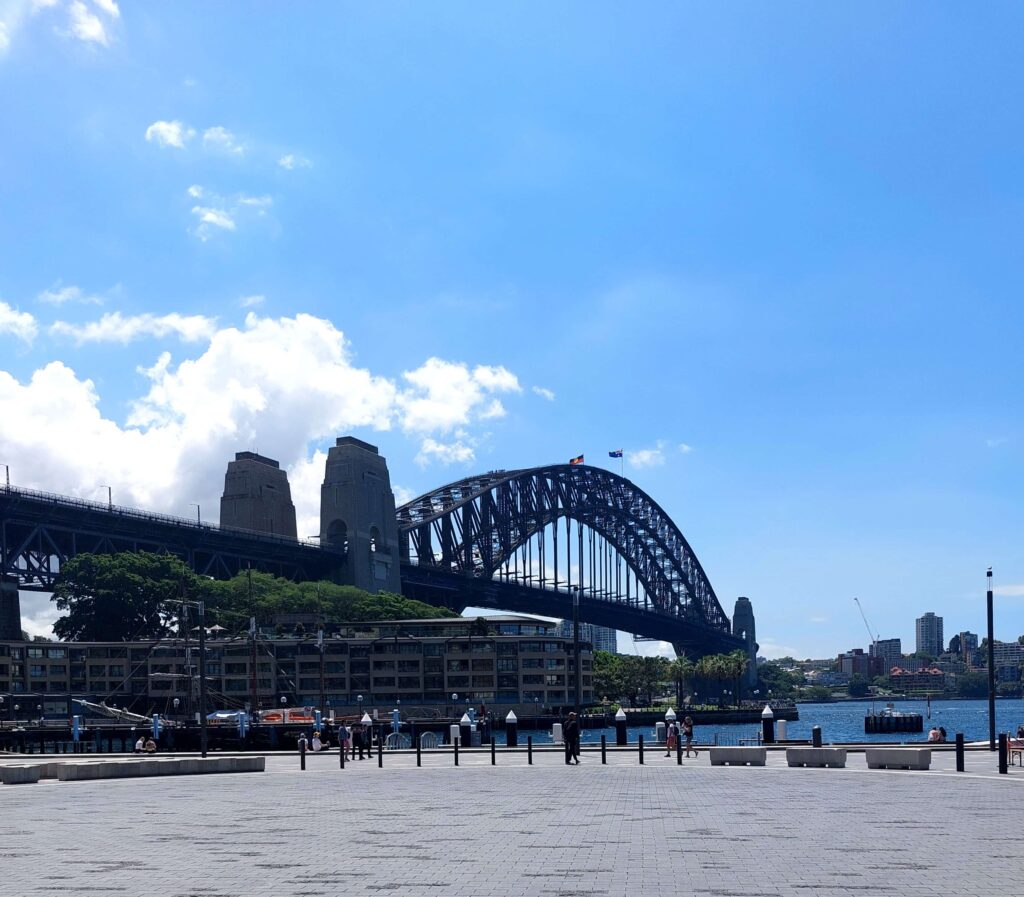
point(991, 665)
point(199, 519)
point(455, 697)
point(359, 698)
point(7, 477)
point(576, 648)
point(110, 496)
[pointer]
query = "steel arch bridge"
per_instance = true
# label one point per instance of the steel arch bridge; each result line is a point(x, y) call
point(494, 541)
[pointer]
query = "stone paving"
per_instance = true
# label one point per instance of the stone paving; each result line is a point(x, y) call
point(516, 830)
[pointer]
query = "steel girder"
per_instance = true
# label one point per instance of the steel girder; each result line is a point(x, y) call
point(473, 526)
point(40, 531)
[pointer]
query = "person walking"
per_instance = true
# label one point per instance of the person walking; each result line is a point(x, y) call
point(358, 743)
point(343, 738)
point(571, 737)
point(672, 739)
point(688, 734)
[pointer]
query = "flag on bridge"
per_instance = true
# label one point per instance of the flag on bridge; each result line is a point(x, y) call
point(615, 454)
point(577, 460)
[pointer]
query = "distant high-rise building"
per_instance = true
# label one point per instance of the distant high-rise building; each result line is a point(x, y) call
point(929, 634)
point(601, 638)
point(889, 652)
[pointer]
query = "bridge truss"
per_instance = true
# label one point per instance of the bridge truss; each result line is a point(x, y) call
point(534, 539)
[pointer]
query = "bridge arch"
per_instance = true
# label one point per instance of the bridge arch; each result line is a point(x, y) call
point(525, 526)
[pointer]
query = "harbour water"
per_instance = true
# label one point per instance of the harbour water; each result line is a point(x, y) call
point(840, 722)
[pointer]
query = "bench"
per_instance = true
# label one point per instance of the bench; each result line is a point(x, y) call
point(19, 775)
point(898, 758)
point(812, 756)
point(737, 756)
point(120, 769)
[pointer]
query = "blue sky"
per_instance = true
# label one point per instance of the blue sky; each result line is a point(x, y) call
point(771, 251)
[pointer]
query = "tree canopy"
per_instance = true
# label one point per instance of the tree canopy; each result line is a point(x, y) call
point(121, 597)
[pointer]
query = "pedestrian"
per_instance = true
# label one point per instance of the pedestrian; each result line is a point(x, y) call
point(140, 745)
point(571, 737)
point(672, 739)
point(688, 734)
point(358, 741)
point(343, 738)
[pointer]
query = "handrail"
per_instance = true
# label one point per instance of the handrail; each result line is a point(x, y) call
point(136, 514)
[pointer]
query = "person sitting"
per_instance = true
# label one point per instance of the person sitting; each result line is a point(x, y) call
point(150, 746)
point(140, 745)
point(933, 734)
point(942, 734)
point(317, 744)
point(1020, 731)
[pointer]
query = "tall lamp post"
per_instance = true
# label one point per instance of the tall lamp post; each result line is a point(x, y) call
point(576, 648)
point(991, 666)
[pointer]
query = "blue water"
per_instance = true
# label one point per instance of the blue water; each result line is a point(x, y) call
point(841, 722)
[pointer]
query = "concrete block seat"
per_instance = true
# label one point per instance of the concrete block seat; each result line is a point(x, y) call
point(820, 757)
point(898, 758)
point(164, 766)
point(737, 756)
point(20, 775)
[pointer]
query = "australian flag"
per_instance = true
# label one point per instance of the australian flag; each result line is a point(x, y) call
point(617, 453)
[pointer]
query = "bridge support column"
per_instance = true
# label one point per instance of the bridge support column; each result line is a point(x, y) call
point(10, 610)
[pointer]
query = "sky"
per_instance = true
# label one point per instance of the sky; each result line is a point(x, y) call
point(771, 251)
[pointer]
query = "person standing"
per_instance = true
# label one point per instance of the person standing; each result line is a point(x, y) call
point(343, 738)
point(357, 741)
point(688, 734)
point(571, 737)
point(672, 739)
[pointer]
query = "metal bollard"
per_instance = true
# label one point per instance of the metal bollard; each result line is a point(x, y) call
point(341, 755)
point(816, 736)
point(768, 725)
point(640, 748)
point(455, 748)
point(492, 750)
point(620, 728)
point(1002, 753)
point(419, 747)
point(604, 749)
point(380, 752)
point(529, 750)
point(679, 751)
point(511, 730)
point(302, 753)
point(959, 751)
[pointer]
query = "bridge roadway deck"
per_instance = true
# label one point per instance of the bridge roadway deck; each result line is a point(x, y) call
point(515, 830)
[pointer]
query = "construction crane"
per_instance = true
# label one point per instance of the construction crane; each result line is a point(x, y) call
point(867, 626)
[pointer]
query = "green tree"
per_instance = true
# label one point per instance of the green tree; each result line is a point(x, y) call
point(117, 597)
point(818, 693)
point(608, 678)
point(681, 670)
point(972, 685)
point(857, 686)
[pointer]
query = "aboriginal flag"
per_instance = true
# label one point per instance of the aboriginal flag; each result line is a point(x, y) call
point(577, 460)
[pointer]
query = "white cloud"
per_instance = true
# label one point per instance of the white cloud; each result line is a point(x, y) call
point(1009, 591)
point(544, 393)
point(684, 448)
point(995, 442)
point(169, 133)
point(210, 217)
point(221, 140)
point(19, 324)
point(59, 295)
point(195, 191)
point(259, 202)
point(224, 212)
point(109, 7)
point(771, 649)
point(251, 301)
point(277, 385)
point(117, 328)
point(403, 494)
point(649, 457)
point(5, 38)
point(444, 396)
point(85, 25)
point(291, 161)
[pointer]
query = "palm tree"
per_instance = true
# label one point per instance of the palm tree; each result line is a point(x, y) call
point(681, 669)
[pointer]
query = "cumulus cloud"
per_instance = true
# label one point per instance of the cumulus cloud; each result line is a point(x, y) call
point(109, 7)
point(19, 324)
point(5, 38)
point(169, 133)
point(648, 457)
point(85, 25)
point(291, 161)
point(220, 140)
point(117, 328)
point(59, 294)
point(544, 393)
point(209, 218)
point(444, 395)
point(280, 385)
point(222, 213)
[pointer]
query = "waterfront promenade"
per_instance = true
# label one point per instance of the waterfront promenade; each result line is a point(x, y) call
point(517, 830)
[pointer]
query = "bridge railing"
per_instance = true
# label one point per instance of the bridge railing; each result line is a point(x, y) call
point(84, 504)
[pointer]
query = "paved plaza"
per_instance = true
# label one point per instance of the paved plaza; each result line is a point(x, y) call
point(510, 830)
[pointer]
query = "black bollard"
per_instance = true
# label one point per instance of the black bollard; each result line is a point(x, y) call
point(466, 734)
point(959, 751)
point(620, 730)
point(380, 752)
point(302, 753)
point(341, 755)
point(492, 750)
point(529, 750)
point(604, 750)
point(640, 748)
point(455, 749)
point(419, 748)
point(511, 730)
point(679, 751)
point(816, 736)
point(1002, 753)
point(767, 726)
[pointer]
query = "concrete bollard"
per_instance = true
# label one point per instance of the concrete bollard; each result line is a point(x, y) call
point(816, 736)
point(781, 729)
point(767, 725)
point(453, 733)
point(959, 751)
point(620, 728)
point(659, 732)
point(511, 730)
point(556, 733)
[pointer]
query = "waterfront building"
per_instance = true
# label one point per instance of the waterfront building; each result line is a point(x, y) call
point(520, 663)
point(930, 680)
point(1008, 657)
point(929, 634)
point(601, 638)
point(889, 652)
point(856, 663)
